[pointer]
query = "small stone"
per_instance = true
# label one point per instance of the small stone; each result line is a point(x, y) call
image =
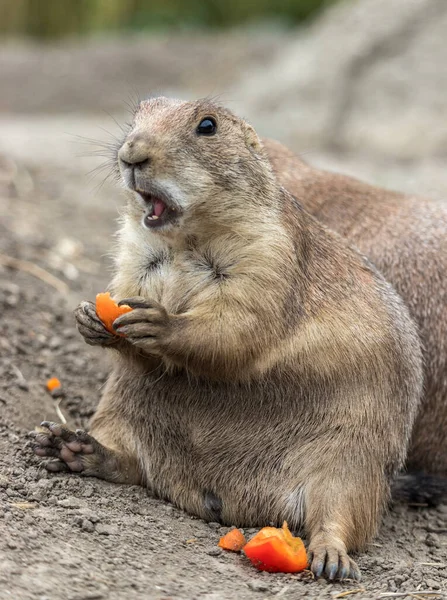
point(392, 585)
point(38, 495)
point(70, 502)
point(200, 534)
point(11, 288)
point(90, 515)
point(12, 544)
point(55, 343)
point(432, 540)
point(258, 586)
point(44, 483)
point(104, 529)
point(88, 491)
point(87, 525)
point(432, 584)
point(214, 552)
point(213, 525)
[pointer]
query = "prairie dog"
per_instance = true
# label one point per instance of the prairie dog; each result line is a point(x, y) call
point(406, 238)
point(268, 372)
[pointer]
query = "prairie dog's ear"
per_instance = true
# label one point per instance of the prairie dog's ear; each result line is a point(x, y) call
point(251, 139)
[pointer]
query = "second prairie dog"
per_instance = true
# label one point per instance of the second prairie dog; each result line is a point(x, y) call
point(406, 238)
point(268, 372)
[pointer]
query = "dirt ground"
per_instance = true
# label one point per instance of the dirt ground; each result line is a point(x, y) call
point(63, 537)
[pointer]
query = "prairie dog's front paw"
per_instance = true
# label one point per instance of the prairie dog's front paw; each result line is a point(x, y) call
point(147, 326)
point(91, 327)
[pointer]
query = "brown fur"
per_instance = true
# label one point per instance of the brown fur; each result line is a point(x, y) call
point(268, 371)
point(406, 238)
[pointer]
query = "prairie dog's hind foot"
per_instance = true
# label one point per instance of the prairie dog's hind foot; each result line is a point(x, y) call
point(79, 452)
point(74, 451)
point(328, 557)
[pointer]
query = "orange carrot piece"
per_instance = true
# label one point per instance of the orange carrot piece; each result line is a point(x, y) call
point(277, 551)
point(53, 384)
point(108, 310)
point(234, 540)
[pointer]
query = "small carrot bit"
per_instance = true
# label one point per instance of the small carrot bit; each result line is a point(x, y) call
point(108, 310)
point(277, 551)
point(53, 384)
point(234, 540)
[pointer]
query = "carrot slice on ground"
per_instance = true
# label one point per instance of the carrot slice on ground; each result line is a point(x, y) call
point(234, 540)
point(108, 310)
point(277, 551)
point(53, 384)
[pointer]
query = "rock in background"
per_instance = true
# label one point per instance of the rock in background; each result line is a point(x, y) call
point(369, 76)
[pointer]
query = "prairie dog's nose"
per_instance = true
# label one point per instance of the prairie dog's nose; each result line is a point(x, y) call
point(135, 151)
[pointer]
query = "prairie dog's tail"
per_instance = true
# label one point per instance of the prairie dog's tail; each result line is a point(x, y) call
point(420, 488)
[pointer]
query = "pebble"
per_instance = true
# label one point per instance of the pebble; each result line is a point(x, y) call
point(38, 495)
point(10, 288)
point(432, 540)
point(55, 343)
point(214, 552)
point(90, 515)
point(392, 587)
point(258, 586)
point(104, 529)
point(213, 525)
point(87, 525)
point(70, 502)
point(431, 583)
point(88, 491)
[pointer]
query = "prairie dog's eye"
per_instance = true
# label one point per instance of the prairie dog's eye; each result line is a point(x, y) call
point(207, 126)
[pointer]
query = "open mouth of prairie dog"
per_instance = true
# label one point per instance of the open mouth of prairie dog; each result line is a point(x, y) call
point(159, 210)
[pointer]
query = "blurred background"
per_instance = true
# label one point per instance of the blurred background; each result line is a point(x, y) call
point(49, 20)
point(358, 86)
